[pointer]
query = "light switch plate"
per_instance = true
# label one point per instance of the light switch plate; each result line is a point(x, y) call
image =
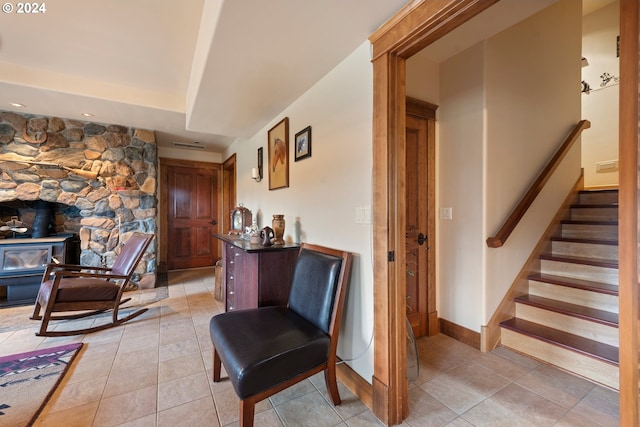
point(363, 215)
point(446, 213)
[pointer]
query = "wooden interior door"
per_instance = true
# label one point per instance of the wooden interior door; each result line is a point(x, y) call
point(420, 224)
point(192, 214)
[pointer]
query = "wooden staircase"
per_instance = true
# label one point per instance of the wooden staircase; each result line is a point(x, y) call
point(569, 318)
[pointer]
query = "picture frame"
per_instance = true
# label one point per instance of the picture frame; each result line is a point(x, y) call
point(302, 147)
point(278, 151)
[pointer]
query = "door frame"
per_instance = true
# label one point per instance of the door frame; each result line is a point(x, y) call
point(228, 191)
point(413, 28)
point(427, 111)
point(629, 119)
point(163, 227)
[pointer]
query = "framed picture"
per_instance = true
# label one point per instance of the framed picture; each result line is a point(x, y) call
point(303, 144)
point(278, 146)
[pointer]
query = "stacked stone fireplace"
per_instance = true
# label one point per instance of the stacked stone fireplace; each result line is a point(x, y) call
point(99, 180)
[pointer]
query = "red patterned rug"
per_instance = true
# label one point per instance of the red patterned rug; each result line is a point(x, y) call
point(27, 381)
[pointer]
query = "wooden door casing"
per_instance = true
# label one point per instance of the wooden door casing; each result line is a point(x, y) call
point(416, 225)
point(228, 192)
point(420, 217)
point(414, 27)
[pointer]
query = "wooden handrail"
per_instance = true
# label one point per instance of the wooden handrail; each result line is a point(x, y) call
point(517, 214)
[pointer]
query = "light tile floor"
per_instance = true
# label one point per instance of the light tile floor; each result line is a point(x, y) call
point(156, 371)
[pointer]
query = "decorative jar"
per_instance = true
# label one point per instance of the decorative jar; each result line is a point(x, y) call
point(278, 229)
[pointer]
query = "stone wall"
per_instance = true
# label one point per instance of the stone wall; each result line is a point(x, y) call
point(107, 173)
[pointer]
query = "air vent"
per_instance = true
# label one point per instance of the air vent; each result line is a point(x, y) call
point(191, 145)
point(607, 166)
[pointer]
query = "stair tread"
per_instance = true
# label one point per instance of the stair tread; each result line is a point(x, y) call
point(606, 190)
point(600, 287)
point(594, 205)
point(595, 349)
point(588, 222)
point(592, 314)
point(587, 241)
point(580, 260)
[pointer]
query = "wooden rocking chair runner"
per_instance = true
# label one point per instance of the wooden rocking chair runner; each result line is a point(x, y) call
point(268, 349)
point(88, 290)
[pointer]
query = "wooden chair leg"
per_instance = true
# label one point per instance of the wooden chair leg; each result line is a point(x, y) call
point(247, 412)
point(217, 364)
point(44, 324)
point(331, 383)
point(36, 311)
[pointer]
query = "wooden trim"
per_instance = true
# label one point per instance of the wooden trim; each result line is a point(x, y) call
point(162, 220)
point(460, 333)
point(422, 109)
point(420, 23)
point(228, 191)
point(413, 28)
point(389, 238)
point(354, 382)
point(527, 200)
point(627, 213)
point(426, 110)
point(520, 286)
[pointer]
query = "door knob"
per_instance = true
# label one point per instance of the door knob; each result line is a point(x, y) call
point(214, 222)
point(421, 239)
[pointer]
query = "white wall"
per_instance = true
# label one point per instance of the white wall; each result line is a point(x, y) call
point(600, 105)
point(423, 79)
point(325, 189)
point(188, 154)
point(506, 104)
point(460, 187)
point(532, 72)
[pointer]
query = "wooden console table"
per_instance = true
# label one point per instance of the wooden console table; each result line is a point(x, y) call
point(255, 275)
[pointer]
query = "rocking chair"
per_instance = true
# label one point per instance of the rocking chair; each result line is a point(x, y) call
point(88, 290)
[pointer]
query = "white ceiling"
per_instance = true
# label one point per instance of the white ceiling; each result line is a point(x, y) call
point(196, 70)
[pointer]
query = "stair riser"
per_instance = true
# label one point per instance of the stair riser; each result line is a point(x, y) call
point(598, 198)
point(590, 231)
point(594, 214)
point(574, 296)
point(585, 250)
point(580, 271)
point(585, 366)
point(573, 325)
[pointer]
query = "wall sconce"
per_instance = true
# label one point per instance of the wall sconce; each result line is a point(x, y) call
point(256, 173)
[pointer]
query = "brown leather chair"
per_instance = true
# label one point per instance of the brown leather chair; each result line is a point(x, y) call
point(88, 290)
point(267, 349)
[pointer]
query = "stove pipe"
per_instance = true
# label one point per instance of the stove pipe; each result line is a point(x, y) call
point(42, 220)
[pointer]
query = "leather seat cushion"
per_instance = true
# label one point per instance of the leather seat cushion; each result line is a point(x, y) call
point(261, 348)
point(85, 289)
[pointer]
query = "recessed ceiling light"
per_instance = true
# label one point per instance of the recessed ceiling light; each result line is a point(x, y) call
point(17, 105)
point(86, 114)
